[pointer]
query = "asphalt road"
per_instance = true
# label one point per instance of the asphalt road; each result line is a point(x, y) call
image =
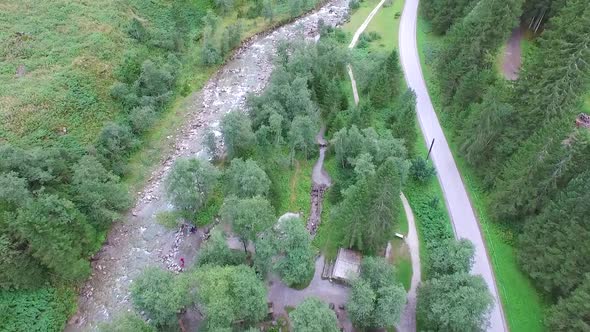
point(460, 210)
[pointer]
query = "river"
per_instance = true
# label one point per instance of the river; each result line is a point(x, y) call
point(138, 241)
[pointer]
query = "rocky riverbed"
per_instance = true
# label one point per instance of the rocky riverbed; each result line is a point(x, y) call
point(138, 241)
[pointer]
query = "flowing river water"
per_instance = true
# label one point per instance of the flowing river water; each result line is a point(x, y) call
point(138, 241)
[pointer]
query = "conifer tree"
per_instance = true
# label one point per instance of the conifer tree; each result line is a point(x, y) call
point(480, 133)
point(444, 13)
point(472, 40)
point(572, 313)
point(541, 168)
point(553, 245)
point(555, 78)
point(370, 207)
point(384, 86)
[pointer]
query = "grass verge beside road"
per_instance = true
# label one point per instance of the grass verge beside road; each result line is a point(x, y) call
point(523, 305)
point(386, 24)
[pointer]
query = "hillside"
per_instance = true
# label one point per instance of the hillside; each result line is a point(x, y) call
point(60, 59)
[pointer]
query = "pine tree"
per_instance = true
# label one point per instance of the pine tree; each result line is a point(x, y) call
point(403, 120)
point(444, 13)
point(480, 133)
point(553, 246)
point(384, 86)
point(555, 78)
point(472, 40)
point(572, 313)
point(370, 208)
point(542, 167)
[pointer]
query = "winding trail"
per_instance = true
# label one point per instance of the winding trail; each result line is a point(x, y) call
point(463, 218)
point(320, 183)
point(138, 241)
point(408, 318)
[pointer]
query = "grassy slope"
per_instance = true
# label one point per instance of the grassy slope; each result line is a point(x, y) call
point(387, 26)
point(523, 306)
point(359, 15)
point(61, 50)
point(294, 184)
point(71, 51)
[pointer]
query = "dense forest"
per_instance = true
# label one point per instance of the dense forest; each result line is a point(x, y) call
point(82, 84)
point(521, 136)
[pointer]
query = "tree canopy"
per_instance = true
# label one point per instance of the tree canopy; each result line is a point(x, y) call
point(229, 294)
point(454, 302)
point(377, 298)
point(313, 315)
point(370, 208)
point(246, 179)
point(190, 183)
point(248, 217)
point(296, 262)
point(155, 292)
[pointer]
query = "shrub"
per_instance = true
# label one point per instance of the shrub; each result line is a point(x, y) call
point(137, 31)
point(113, 146)
point(142, 118)
point(421, 170)
point(169, 219)
point(44, 309)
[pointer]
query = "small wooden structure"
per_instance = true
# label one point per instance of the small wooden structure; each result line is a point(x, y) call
point(347, 266)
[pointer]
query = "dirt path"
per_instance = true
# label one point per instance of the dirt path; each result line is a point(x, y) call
point(353, 42)
point(320, 183)
point(139, 241)
point(363, 26)
point(513, 55)
point(408, 320)
point(463, 219)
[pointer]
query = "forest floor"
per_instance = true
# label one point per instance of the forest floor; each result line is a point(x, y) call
point(138, 241)
point(512, 54)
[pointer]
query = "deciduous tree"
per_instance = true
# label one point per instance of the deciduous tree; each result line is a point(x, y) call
point(228, 294)
point(296, 264)
point(190, 183)
point(248, 217)
point(237, 133)
point(246, 179)
point(313, 315)
point(455, 302)
point(156, 293)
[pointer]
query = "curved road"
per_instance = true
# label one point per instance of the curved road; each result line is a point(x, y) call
point(408, 317)
point(463, 218)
